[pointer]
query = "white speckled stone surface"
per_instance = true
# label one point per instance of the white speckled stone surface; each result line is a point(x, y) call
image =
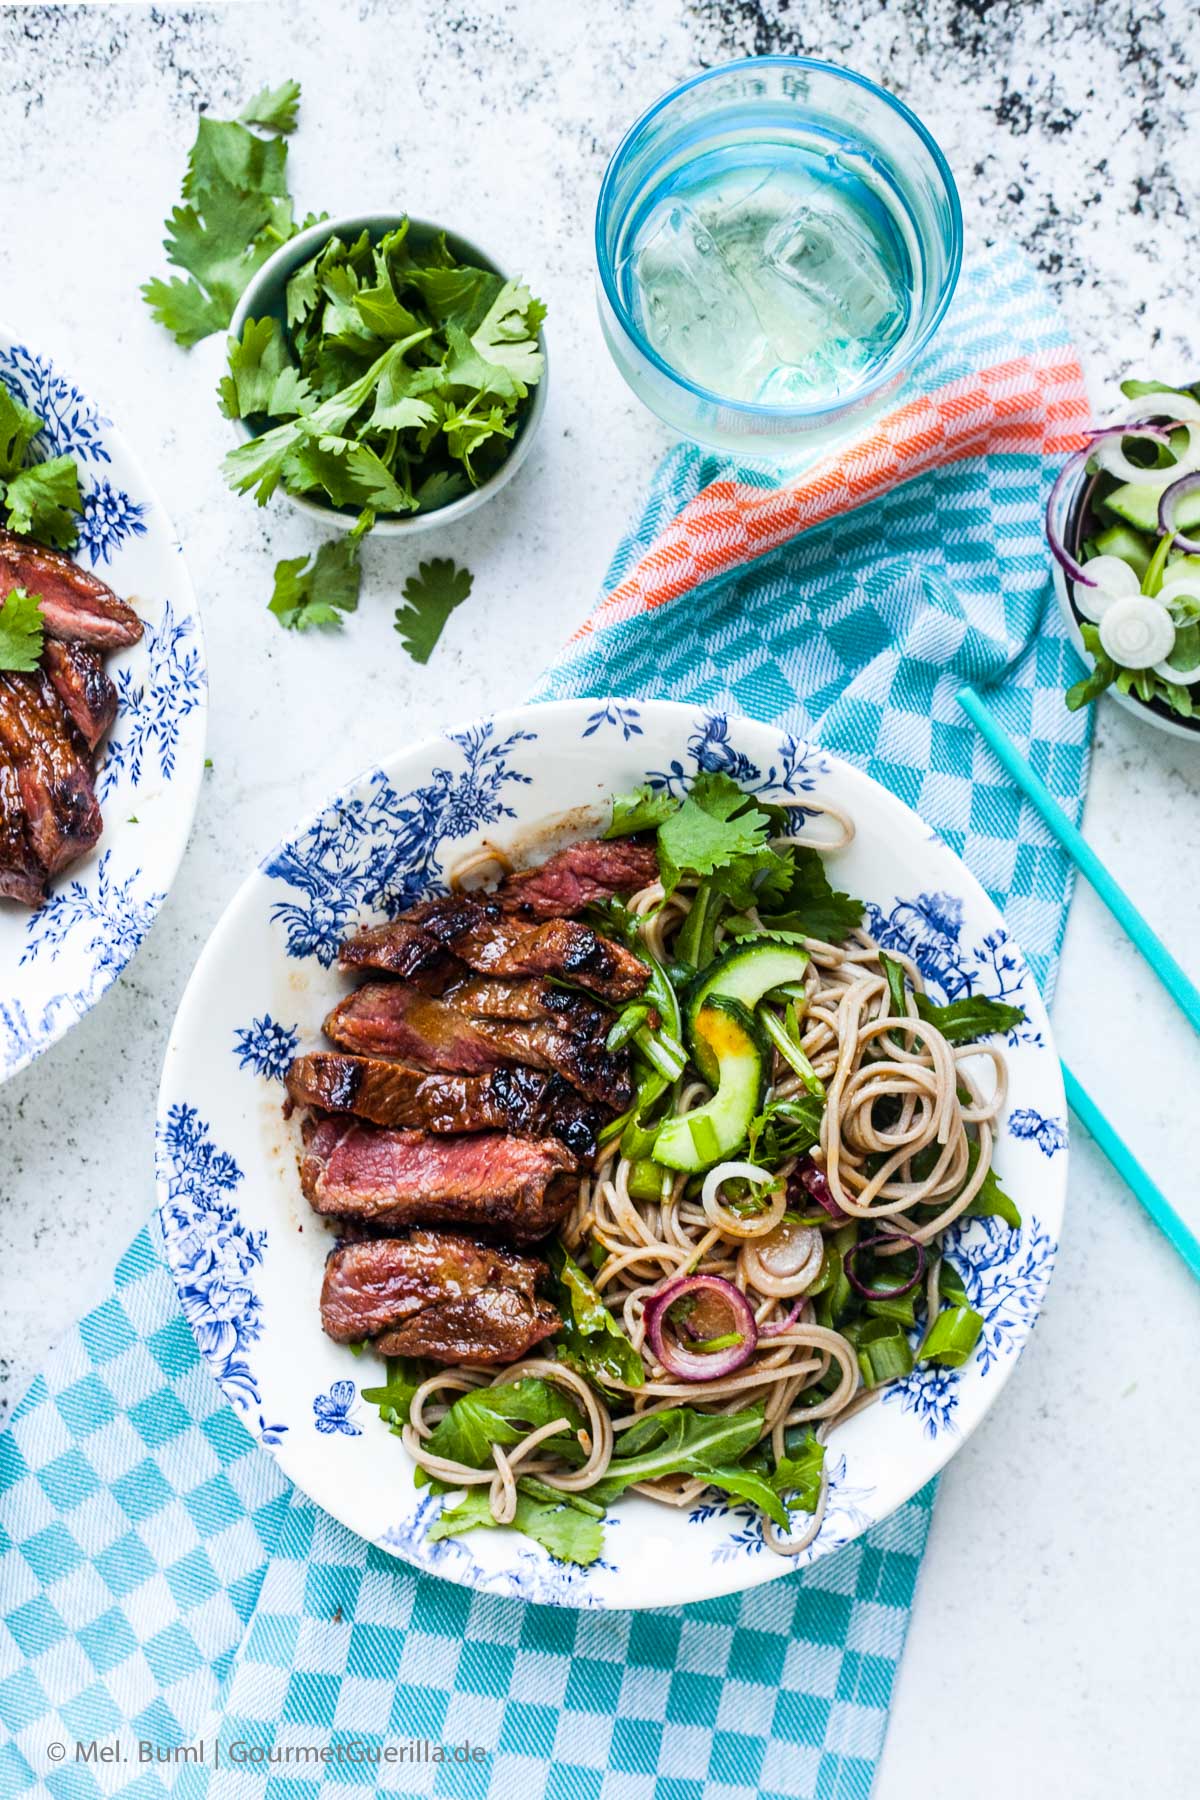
point(1054, 1641)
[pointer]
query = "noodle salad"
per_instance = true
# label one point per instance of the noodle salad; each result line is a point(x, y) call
point(754, 1253)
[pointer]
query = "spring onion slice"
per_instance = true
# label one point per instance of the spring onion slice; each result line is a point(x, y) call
point(791, 1052)
point(952, 1337)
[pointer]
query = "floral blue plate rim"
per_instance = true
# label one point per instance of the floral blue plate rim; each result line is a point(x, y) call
point(57, 962)
point(246, 1253)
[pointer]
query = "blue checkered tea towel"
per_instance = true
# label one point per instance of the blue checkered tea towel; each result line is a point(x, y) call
point(176, 1619)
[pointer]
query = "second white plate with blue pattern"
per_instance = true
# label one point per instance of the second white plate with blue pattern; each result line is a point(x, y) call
point(56, 963)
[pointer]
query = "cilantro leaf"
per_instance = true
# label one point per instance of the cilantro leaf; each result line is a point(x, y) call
point(974, 1016)
point(262, 377)
point(18, 428)
point(431, 596)
point(43, 502)
point(716, 826)
point(809, 903)
point(318, 592)
point(507, 334)
point(274, 108)
point(642, 810)
point(21, 631)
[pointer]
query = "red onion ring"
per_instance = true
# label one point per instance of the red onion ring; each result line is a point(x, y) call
point(1055, 534)
point(815, 1183)
point(701, 1365)
point(1168, 505)
point(860, 1287)
point(784, 1324)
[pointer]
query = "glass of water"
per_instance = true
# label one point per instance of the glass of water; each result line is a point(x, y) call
point(777, 240)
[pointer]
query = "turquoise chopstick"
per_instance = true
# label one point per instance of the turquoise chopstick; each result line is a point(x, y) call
point(1143, 1189)
point(1176, 981)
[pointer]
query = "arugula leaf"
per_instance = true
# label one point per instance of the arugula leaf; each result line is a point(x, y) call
point(274, 108)
point(680, 1442)
point(974, 1016)
point(569, 1535)
point(236, 212)
point(591, 1341)
point(785, 1129)
point(1099, 678)
point(404, 1376)
point(793, 1484)
point(431, 595)
point(21, 631)
point(810, 904)
point(262, 377)
point(44, 501)
point(991, 1201)
point(501, 1415)
point(18, 428)
point(318, 592)
point(642, 810)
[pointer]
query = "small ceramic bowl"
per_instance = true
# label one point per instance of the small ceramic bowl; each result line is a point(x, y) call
point(1155, 712)
point(266, 297)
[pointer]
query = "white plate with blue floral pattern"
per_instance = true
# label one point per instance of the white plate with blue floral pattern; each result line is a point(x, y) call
point(247, 1255)
point(56, 963)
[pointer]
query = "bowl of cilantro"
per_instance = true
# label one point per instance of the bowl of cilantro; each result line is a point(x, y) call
point(384, 375)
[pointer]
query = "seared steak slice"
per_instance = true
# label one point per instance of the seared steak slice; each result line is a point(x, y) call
point(528, 997)
point(55, 783)
point(568, 948)
point(436, 1295)
point(75, 606)
point(479, 934)
point(395, 1094)
point(571, 879)
point(87, 695)
point(393, 1018)
point(22, 877)
point(518, 1186)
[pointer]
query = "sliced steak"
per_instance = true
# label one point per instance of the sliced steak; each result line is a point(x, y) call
point(394, 1018)
point(566, 882)
point(86, 694)
point(528, 997)
point(568, 948)
point(518, 1186)
point(480, 934)
point(54, 781)
point(397, 1095)
point(76, 606)
point(22, 877)
point(436, 1295)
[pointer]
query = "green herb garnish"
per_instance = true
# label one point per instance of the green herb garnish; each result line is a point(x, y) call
point(430, 595)
point(21, 632)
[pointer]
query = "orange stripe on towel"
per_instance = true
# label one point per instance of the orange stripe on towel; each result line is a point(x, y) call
point(1028, 406)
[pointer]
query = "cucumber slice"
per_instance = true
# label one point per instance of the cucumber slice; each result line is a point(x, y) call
point(738, 1049)
point(1133, 547)
point(745, 973)
point(1138, 506)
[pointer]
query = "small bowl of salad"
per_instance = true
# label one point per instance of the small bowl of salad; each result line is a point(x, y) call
point(1123, 523)
point(384, 373)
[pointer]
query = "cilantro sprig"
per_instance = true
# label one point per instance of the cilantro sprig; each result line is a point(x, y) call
point(235, 211)
point(37, 499)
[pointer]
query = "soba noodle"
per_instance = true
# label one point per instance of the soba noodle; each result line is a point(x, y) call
point(930, 1146)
